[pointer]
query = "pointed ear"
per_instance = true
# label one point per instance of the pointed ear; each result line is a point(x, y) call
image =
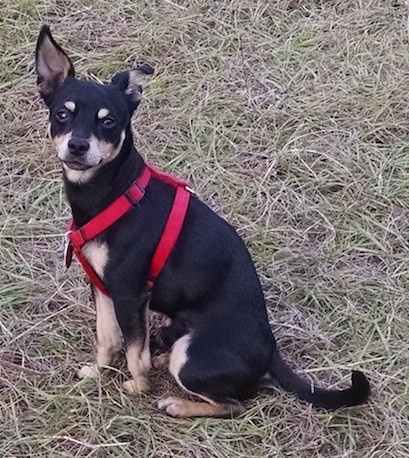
point(131, 83)
point(52, 64)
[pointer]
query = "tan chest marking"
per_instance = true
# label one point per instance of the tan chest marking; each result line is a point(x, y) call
point(97, 255)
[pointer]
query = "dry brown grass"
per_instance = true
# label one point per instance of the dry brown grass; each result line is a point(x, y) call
point(290, 118)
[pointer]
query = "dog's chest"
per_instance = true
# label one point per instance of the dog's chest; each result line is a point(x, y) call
point(97, 255)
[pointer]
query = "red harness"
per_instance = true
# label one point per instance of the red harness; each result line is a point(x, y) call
point(78, 237)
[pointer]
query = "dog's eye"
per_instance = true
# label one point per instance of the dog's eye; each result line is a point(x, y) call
point(108, 123)
point(61, 116)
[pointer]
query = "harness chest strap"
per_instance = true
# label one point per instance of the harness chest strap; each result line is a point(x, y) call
point(77, 237)
point(118, 208)
point(94, 278)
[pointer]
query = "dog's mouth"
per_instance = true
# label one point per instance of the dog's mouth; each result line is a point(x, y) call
point(75, 165)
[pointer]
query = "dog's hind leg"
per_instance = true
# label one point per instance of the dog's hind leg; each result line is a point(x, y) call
point(178, 407)
point(109, 335)
point(174, 330)
point(161, 361)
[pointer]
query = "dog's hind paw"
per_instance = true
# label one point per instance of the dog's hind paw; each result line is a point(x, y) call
point(173, 406)
point(88, 372)
point(161, 361)
point(136, 386)
point(178, 407)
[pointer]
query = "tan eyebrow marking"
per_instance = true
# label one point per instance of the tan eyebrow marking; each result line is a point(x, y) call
point(70, 106)
point(103, 113)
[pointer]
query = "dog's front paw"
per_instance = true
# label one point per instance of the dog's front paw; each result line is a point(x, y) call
point(173, 406)
point(136, 386)
point(88, 372)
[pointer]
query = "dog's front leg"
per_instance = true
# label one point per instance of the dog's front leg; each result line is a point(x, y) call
point(109, 335)
point(134, 322)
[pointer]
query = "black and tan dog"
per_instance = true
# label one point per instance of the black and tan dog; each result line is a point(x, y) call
point(220, 341)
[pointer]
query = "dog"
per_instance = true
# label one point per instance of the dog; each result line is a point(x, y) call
point(219, 339)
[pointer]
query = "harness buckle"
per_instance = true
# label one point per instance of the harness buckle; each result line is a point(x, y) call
point(189, 189)
point(68, 249)
point(133, 200)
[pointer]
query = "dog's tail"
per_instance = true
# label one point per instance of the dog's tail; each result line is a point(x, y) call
point(358, 393)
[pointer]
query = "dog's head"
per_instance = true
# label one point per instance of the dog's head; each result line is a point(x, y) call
point(88, 121)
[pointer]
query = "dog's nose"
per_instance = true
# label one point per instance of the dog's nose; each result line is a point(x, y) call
point(78, 146)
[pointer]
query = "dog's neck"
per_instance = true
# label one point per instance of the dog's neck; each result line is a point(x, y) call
point(113, 179)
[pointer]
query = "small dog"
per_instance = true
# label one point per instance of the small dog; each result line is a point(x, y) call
point(220, 341)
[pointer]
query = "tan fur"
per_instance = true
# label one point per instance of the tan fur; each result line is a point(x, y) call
point(109, 335)
point(161, 361)
point(138, 358)
point(178, 407)
point(178, 358)
point(99, 153)
point(106, 150)
point(60, 144)
point(97, 255)
point(70, 106)
point(138, 365)
point(78, 176)
point(102, 113)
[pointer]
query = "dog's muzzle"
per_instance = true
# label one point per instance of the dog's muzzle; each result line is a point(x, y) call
point(78, 148)
point(75, 165)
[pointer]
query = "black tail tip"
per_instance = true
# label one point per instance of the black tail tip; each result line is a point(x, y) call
point(146, 68)
point(360, 386)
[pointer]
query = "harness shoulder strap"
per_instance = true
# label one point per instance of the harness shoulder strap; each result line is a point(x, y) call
point(168, 178)
point(170, 234)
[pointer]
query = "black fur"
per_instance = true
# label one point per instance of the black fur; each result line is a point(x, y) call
point(209, 287)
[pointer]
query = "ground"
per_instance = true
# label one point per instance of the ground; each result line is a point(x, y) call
point(290, 119)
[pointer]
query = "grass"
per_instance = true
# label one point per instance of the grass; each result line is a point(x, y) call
point(290, 119)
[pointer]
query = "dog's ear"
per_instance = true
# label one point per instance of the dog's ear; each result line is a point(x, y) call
point(52, 64)
point(131, 83)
